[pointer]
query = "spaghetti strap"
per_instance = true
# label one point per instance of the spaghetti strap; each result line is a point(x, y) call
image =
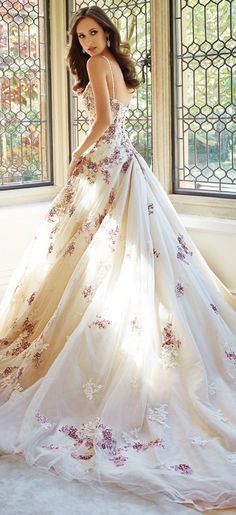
point(112, 76)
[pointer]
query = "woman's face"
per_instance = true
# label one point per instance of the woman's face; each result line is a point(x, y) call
point(91, 36)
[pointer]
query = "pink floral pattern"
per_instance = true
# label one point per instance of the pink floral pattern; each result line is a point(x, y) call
point(150, 209)
point(179, 289)
point(112, 234)
point(170, 346)
point(37, 359)
point(182, 468)
point(135, 325)
point(62, 202)
point(231, 356)
point(31, 298)
point(156, 253)
point(214, 308)
point(97, 435)
point(182, 249)
point(101, 323)
point(88, 293)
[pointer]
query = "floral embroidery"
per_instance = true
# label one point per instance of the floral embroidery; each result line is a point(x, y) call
point(71, 210)
point(36, 359)
point(147, 445)
point(197, 440)
point(119, 460)
point(28, 326)
point(179, 289)
point(170, 346)
point(156, 253)
point(100, 218)
point(158, 414)
point(91, 388)
point(219, 415)
point(53, 231)
point(182, 249)
point(232, 458)
point(214, 308)
point(101, 323)
point(182, 468)
point(150, 209)
point(50, 446)
point(70, 248)
point(4, 341)
point(88, 293)
point(31, 298)
point(7, 371)
point(112, 236)
point(231, 356)
point(61, 205)
point(111, 197)
point(126, 165)
point(135, 325)
point(131, 436)
point(50, 248)
point(95, 434)
point(44, 421)
point(212, 389)
point(23, 345)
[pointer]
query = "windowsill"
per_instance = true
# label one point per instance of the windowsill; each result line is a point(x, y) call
point(28, 195)
point(220, 208)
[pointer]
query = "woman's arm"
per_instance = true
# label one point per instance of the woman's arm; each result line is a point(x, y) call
point(97, 71)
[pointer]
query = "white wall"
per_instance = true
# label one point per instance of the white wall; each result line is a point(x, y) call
point(215, 238)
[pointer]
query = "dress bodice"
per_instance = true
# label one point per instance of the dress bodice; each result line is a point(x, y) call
point(119, 110)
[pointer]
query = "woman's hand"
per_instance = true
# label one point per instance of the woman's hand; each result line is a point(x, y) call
point(73, 165)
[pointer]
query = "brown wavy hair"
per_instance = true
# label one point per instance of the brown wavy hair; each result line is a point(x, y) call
point(77, 60)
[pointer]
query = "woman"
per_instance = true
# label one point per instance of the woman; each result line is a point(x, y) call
point(118, 343)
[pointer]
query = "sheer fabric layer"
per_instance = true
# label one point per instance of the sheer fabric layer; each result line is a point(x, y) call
point(118, 348)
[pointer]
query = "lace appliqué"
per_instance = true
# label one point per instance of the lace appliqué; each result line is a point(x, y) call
point(212, 389)
point(182, 249)
point(179, 289)
point(91, 388)
point(231, 356)
point(101, 323)
point(96, 435)
point(88, 293)
point(219, 415)
point(232, 458)
point(182, 468)
point(198, 441)
point(159, 414)
point(170, 347)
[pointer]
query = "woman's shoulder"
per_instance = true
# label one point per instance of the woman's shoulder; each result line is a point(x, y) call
point(96, 62)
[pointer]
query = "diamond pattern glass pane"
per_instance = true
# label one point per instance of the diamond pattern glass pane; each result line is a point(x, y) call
point(204, 96)
point(25, 122)
point(132, 18)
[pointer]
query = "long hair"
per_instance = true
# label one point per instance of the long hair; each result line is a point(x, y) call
point(77, 60)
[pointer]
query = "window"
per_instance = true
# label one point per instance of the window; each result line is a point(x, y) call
point(204, 97)
point(133, 20)
point(25, 137)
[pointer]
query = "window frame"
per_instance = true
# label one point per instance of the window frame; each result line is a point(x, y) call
point(162, 60)
point(59, 115)
point(162, 119)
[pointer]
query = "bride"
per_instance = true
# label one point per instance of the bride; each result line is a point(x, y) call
point(118, 343)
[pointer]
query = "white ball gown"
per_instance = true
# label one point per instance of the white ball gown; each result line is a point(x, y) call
point(118, 343)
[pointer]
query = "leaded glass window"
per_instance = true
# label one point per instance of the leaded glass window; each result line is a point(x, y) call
point(25, 133)
point(132, 18)
point(204, 96)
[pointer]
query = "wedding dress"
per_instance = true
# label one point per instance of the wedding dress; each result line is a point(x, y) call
point(118, 348)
